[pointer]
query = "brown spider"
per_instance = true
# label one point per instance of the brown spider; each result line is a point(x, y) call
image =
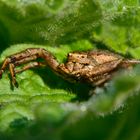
point(93, 67)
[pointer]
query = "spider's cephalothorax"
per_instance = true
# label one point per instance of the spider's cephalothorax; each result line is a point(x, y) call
point(93, 67)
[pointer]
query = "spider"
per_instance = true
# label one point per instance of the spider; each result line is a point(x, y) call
point(93, 67)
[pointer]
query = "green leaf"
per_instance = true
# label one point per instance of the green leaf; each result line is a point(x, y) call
point(48, 26)
point(38, 86)
point(120, 30)
point(45, 106)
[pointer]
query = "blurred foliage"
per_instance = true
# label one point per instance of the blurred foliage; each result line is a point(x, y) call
point(48, 107)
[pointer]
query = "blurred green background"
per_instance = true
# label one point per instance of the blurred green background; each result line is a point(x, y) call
point(49, 108)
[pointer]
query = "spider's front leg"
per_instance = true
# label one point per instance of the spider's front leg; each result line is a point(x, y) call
point(27, 56)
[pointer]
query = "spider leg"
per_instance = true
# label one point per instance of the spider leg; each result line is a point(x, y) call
point(25, 57)
point(4, 65)
point(16, 63)
point(25, 60)
point(28, 66)
point(18, 58)
point(13, 77)
point(12, 64)
point(102, 81)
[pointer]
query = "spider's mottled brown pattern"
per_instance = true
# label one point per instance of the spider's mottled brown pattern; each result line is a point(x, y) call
point(93, 67)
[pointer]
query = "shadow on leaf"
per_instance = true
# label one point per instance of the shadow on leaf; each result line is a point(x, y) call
point(56, 82)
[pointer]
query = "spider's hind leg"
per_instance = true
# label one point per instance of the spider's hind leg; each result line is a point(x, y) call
point(18, 59)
